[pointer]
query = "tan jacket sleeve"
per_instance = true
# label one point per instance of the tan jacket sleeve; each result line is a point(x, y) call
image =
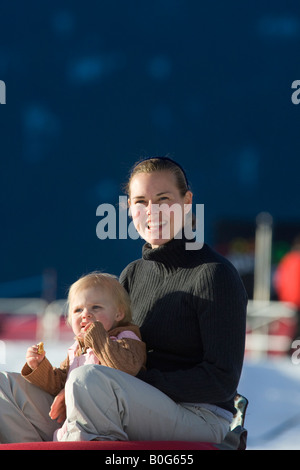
point(126, 354)
point(48, 378)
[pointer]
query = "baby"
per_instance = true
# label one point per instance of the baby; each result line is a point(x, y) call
point(100, 316)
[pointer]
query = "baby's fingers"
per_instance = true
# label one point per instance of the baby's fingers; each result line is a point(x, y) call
point(32, 350)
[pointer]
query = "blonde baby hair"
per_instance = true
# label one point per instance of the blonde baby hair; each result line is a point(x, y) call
point(108, 282)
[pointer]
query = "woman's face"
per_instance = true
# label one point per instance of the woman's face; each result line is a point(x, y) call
point(157, 207)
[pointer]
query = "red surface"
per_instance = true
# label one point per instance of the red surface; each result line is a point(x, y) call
point(287, 279)
point(110, 445)
point(15, 327)
point(18, 327)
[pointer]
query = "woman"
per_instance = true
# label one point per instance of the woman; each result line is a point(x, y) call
point(191, 308)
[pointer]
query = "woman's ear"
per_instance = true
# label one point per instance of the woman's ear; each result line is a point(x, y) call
point(188, 197)
point(129, 207)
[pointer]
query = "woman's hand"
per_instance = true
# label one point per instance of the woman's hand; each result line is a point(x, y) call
point(33, 358)
point(58, 408)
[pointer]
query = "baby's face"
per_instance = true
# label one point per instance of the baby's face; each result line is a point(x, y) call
point(93, 304)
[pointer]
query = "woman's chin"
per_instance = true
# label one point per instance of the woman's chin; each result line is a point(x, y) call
point(156, 238)
point(157, 242)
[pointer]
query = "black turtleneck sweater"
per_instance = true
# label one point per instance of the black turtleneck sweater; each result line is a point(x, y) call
point(191, 308)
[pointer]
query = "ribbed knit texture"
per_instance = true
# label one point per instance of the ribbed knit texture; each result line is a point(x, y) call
point(191, 308)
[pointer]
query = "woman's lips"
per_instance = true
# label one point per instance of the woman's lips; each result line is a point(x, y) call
point(156, 225)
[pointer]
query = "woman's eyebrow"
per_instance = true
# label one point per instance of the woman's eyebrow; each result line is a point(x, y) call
point(164, 192)
point(158, 194)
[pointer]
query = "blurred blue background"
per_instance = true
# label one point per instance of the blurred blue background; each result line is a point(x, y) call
point(93, 86)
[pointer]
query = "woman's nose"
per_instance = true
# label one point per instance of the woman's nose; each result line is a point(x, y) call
point(149, 208)
point(152, 208)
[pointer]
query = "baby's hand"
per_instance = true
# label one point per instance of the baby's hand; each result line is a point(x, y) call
point(33, 358)
point(84, 330)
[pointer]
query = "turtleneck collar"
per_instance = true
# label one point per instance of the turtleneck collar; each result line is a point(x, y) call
point(172, 253)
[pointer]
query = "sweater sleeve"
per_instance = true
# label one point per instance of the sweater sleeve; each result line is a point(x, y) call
point(126, 354)
point(221, 312)
point(48, 378)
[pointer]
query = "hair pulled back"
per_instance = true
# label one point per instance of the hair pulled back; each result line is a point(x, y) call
point(153, 164)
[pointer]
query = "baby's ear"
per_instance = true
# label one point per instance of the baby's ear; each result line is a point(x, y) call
point(120, 315)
